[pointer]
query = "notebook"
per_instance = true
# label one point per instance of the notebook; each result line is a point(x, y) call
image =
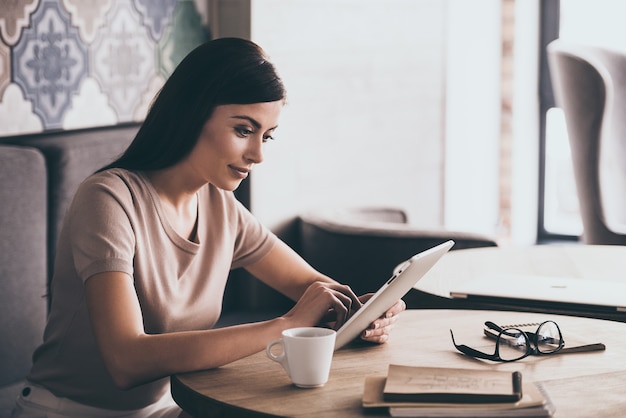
point(404, 277)
point(532, 290)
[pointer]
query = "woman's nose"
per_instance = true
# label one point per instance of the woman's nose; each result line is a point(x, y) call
point(254, 152)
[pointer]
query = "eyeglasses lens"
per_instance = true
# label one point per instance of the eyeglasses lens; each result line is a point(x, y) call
point(512, 344)
point(548, 338)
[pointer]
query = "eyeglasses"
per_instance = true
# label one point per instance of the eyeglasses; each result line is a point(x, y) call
point(514, 344)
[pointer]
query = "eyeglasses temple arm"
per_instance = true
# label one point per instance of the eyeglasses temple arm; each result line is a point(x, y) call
point(493, 326)
point(472, 352)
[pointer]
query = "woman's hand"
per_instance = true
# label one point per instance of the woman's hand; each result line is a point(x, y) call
point(324, 302)
point(378, 331)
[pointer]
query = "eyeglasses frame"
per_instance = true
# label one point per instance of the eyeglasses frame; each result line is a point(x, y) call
point(531, 349)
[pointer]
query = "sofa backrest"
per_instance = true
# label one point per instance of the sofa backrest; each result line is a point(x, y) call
point(23, 254)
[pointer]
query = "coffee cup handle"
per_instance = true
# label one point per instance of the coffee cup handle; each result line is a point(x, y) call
point(279, 358)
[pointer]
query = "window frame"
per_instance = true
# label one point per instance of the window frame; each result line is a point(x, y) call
point(549, 31)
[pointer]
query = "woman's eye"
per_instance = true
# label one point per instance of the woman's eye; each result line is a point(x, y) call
point(243, 131)
point(268, 138)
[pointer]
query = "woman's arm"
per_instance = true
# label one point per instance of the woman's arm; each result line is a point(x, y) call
point(134, 357)
point(284, 270)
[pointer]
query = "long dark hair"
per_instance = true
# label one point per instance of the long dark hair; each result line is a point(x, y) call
point(219, 72)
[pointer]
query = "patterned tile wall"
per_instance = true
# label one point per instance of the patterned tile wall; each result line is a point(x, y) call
point(69, 64)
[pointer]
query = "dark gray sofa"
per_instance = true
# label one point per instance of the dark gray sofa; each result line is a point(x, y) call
point(39, 175)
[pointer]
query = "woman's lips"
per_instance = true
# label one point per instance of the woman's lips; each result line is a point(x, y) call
point(239, 172)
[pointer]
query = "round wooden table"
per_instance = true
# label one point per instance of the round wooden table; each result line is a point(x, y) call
point(580, 384)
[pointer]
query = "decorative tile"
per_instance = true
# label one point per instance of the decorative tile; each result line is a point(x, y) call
point(49, 62)
point(87, 16)
point(123, 59)
point(15, 16)
point(16, 113)
point(185, 33)
point(89, 108)
point(69, 64)
point(155, 15)
point(5, 66)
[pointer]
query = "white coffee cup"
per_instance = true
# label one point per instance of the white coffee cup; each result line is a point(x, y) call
point(306, 354)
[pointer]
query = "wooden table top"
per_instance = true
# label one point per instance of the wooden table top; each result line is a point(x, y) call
point(595, 262)
point(580, 384)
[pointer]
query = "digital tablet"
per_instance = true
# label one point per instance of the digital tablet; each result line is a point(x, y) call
point(404, 277)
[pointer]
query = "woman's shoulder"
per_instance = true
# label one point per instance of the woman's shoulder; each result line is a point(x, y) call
point(114, 177)
point(116, 182)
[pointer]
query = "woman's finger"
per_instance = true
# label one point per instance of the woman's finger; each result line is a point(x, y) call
point(379, 330)
point(398, 307)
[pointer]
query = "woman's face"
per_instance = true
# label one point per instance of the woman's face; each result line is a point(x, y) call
point(231, 142)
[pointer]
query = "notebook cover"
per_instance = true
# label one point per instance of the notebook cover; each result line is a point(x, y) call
point(451, 385)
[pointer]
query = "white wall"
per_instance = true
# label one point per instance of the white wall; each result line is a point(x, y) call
point(364, 122)
point(390, 103)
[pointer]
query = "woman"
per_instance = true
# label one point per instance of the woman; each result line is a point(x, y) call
point(148, 243)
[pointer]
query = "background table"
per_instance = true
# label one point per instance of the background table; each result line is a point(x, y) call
point(594, 262)
point(581, 385)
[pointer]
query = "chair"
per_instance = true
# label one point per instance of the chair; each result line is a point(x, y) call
point(590, 86)
point(361, 247)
